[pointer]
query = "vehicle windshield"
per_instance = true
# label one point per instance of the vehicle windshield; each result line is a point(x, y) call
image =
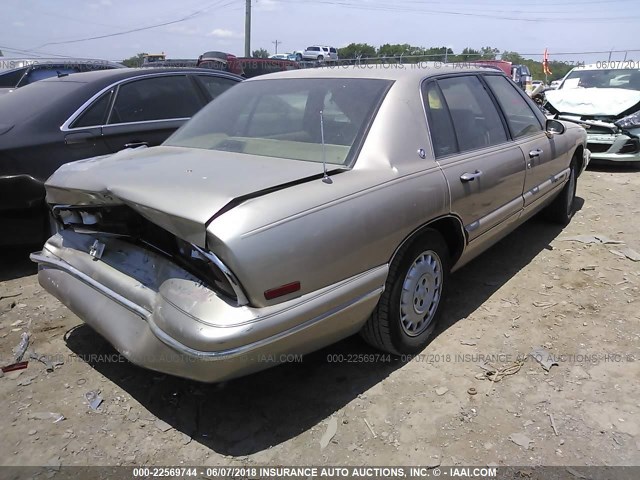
point(281, 118)
point(611, 78)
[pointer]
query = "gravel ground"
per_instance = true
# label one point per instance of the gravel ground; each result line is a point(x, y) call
point(578, 301)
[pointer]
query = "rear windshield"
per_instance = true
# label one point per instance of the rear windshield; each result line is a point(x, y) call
point(282, 118)
point(605, 78)
point(39, 97)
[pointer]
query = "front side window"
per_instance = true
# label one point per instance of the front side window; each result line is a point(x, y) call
point(521, 119)
point(475, 118)
point(281, 118)
point(156, 98)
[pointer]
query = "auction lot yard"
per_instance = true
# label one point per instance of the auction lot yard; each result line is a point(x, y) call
point(578, 301)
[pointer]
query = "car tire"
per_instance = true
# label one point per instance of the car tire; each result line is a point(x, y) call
point(320, 58)
point(410, 306)
point(298, 57)
point(562, 209)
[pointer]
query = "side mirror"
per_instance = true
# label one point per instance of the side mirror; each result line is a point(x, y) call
point(554, 127)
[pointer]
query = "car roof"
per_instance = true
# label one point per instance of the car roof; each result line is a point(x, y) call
point(386, 71)
point(59, 97)
point(115, 75)
point(10, 63)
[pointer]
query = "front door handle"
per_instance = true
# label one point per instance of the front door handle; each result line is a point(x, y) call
point(535, 153)
point(136, 144)
point(470, 177)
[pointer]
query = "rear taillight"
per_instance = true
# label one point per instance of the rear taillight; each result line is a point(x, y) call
point(210, 269)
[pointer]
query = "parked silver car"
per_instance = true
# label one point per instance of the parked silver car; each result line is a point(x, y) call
point(300, 208)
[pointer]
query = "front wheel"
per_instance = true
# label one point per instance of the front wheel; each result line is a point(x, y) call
point(410, 306)
point(561, 210)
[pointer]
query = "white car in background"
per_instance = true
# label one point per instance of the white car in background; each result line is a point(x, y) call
point(319, 53)
point(555, 84)
point(605, 99)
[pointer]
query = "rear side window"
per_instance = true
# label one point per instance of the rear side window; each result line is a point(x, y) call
point(157, 98)
point(521, 119)
point(475, 118)
point(216, 85)
point(443, 136)
point(96, 114)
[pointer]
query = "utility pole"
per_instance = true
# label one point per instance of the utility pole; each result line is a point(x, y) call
point(247, 30)
point(276, 43)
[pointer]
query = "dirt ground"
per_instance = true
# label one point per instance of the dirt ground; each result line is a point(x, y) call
point(578, 301)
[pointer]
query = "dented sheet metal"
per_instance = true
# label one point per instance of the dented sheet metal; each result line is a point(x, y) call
point(593, 101)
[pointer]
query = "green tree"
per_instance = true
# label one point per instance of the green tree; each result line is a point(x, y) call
point(1, 54)
point(260, 53)
point(437, 54)
point(355, 50)
point(395, 50)
point(134, 61)
point(513, 57)
point(469, 54)
point(489, 53)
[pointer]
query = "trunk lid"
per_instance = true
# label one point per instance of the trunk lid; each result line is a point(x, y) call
point(179, 189)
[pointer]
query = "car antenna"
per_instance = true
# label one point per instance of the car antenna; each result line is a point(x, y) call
point(326, 178)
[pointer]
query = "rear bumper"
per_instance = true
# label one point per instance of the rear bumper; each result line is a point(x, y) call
point(161, 318)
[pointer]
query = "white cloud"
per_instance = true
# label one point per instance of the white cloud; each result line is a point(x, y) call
point(18, 24)
point(223, 33)
point(183, 29)
point(100, 4)
point(268, 5)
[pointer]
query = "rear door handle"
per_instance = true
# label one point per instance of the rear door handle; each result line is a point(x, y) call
point(79, 138)
point(470, 177)
point(136, 144)
point(535, 153)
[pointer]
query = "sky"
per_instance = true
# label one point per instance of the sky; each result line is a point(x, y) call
point(191, 27)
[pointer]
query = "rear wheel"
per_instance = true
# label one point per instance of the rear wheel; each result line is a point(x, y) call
point(562, 209)
point(410, 306)
point(320, 58)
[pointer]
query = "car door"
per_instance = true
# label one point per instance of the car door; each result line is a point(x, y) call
point(83, 133)
point(544, 157)
point(483, 167)
point(147, 110)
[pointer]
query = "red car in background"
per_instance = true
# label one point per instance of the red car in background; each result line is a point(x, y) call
point(247, 67)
